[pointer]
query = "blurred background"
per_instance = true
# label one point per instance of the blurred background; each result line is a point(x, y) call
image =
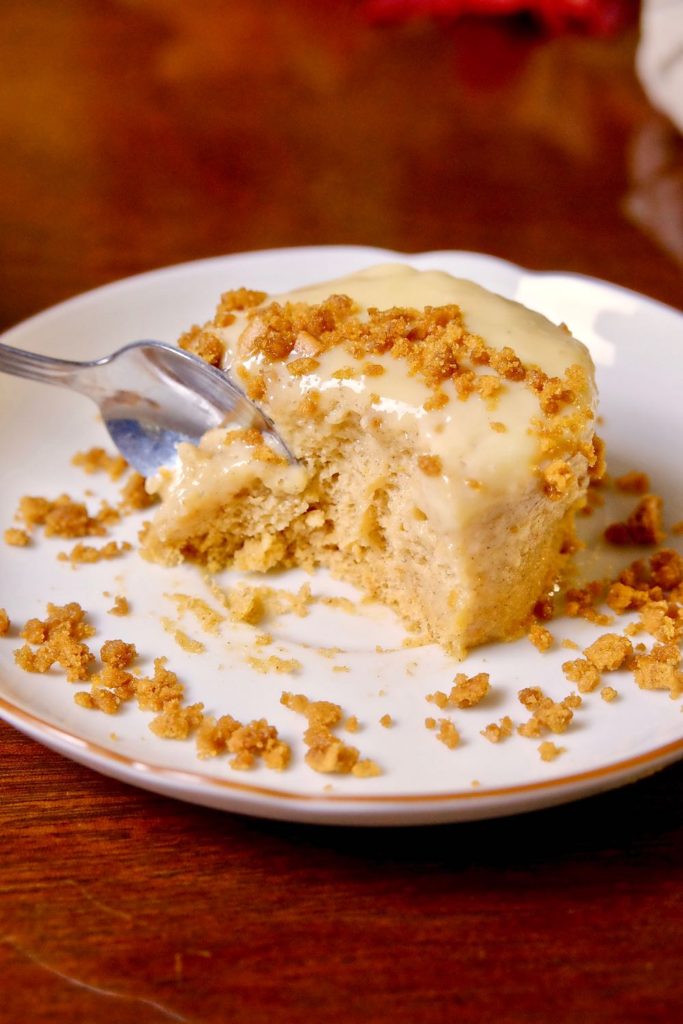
point(139, 133)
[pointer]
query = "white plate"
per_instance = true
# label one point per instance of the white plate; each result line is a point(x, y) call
point(636, 344)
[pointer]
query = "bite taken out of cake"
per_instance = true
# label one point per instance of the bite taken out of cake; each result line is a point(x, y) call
point(444, 438)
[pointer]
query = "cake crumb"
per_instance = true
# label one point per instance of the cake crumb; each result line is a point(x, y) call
point(134, 497)
point(352, 724)
point(274, 664)
point(120, 607)
point(469, 690)
point(86, 554)
point(326, 753)
point(59, 639)
point(549, 751)
point(570, 645)
point(642, 527)
point(608, 693)
point(97, 460)
point(448, 734)
point(341, 668)
point(547, 715)
point(185, 642)
point(496, 732)
point(386, 721)
point(632, 483)
point(177, 722)
point(609, 652)
point(208, 618)
point(430, 723)
point(540, 637)
point(659, 670)
point(4, 622)
point(16, 538)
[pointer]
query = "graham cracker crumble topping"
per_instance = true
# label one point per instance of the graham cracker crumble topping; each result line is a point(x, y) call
point(121, 606)
point(465, 693)
point(4, 622)
point(448, 734)
point(97, 460)
point(540, 637)
point(58, 639)
point(326, 752)
point(17, 538)
point(549, 751)
point(608, 694)
point(134, 497)
point(609, 652)
point(386, 721)
point(184, 641)
point(632, 483)
point(547, 715)
point(87, 554)
point(274, 664)
point(496, 732)
point(583, 673)
point(643, 526)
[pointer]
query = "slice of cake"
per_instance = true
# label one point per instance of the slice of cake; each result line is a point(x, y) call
point(444, 437)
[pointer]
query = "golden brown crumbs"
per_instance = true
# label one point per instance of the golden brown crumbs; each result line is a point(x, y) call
point(583, 673)
point(134, 497)
point(439, 698)
point(203, 343)
point(549, 751)
point(62, 517)
point(118, 653)
point(16, 538)
point(4, 622)
point(341, 668)
point(581, 601)
point(164, 688)
point(609, 652)
point(448, 734)
point(86, 554)
point(258, 739)
point(59, 639)
point(546, 714)
point(301, 367)
point(366, 769)
point(372, 369)
point(468, 690)
point(430, 465)
point(184, 641)
point(632, 483)
point(499, 428)
point(345, 373)
point(540, 637)
point(430, 723)
point(643, 526)
point(263, 640)
point(608, 693)
point(496, 732)
point(121, 606)
point(659, 670)
point(436, 401)
point(253, 383)
point(246, 605)
point(386, 721)
point(274, 664)
point(97, 460)
point(208, 618)
point(570, 645)
point(177, 722)
point(213, 734)
point(98, 700)
point(326, 752)
point(352, 724)
point(240, 299)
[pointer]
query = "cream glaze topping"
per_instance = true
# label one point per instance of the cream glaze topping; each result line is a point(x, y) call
point(479, 466)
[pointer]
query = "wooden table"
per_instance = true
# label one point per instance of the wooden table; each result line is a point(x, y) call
point(142, 134)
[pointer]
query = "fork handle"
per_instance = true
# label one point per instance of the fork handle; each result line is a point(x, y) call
point(36, 367)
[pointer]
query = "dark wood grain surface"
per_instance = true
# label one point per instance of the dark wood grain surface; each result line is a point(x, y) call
point(138, 134)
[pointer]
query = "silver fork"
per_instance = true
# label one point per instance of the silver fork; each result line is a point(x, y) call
point(151, 396)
